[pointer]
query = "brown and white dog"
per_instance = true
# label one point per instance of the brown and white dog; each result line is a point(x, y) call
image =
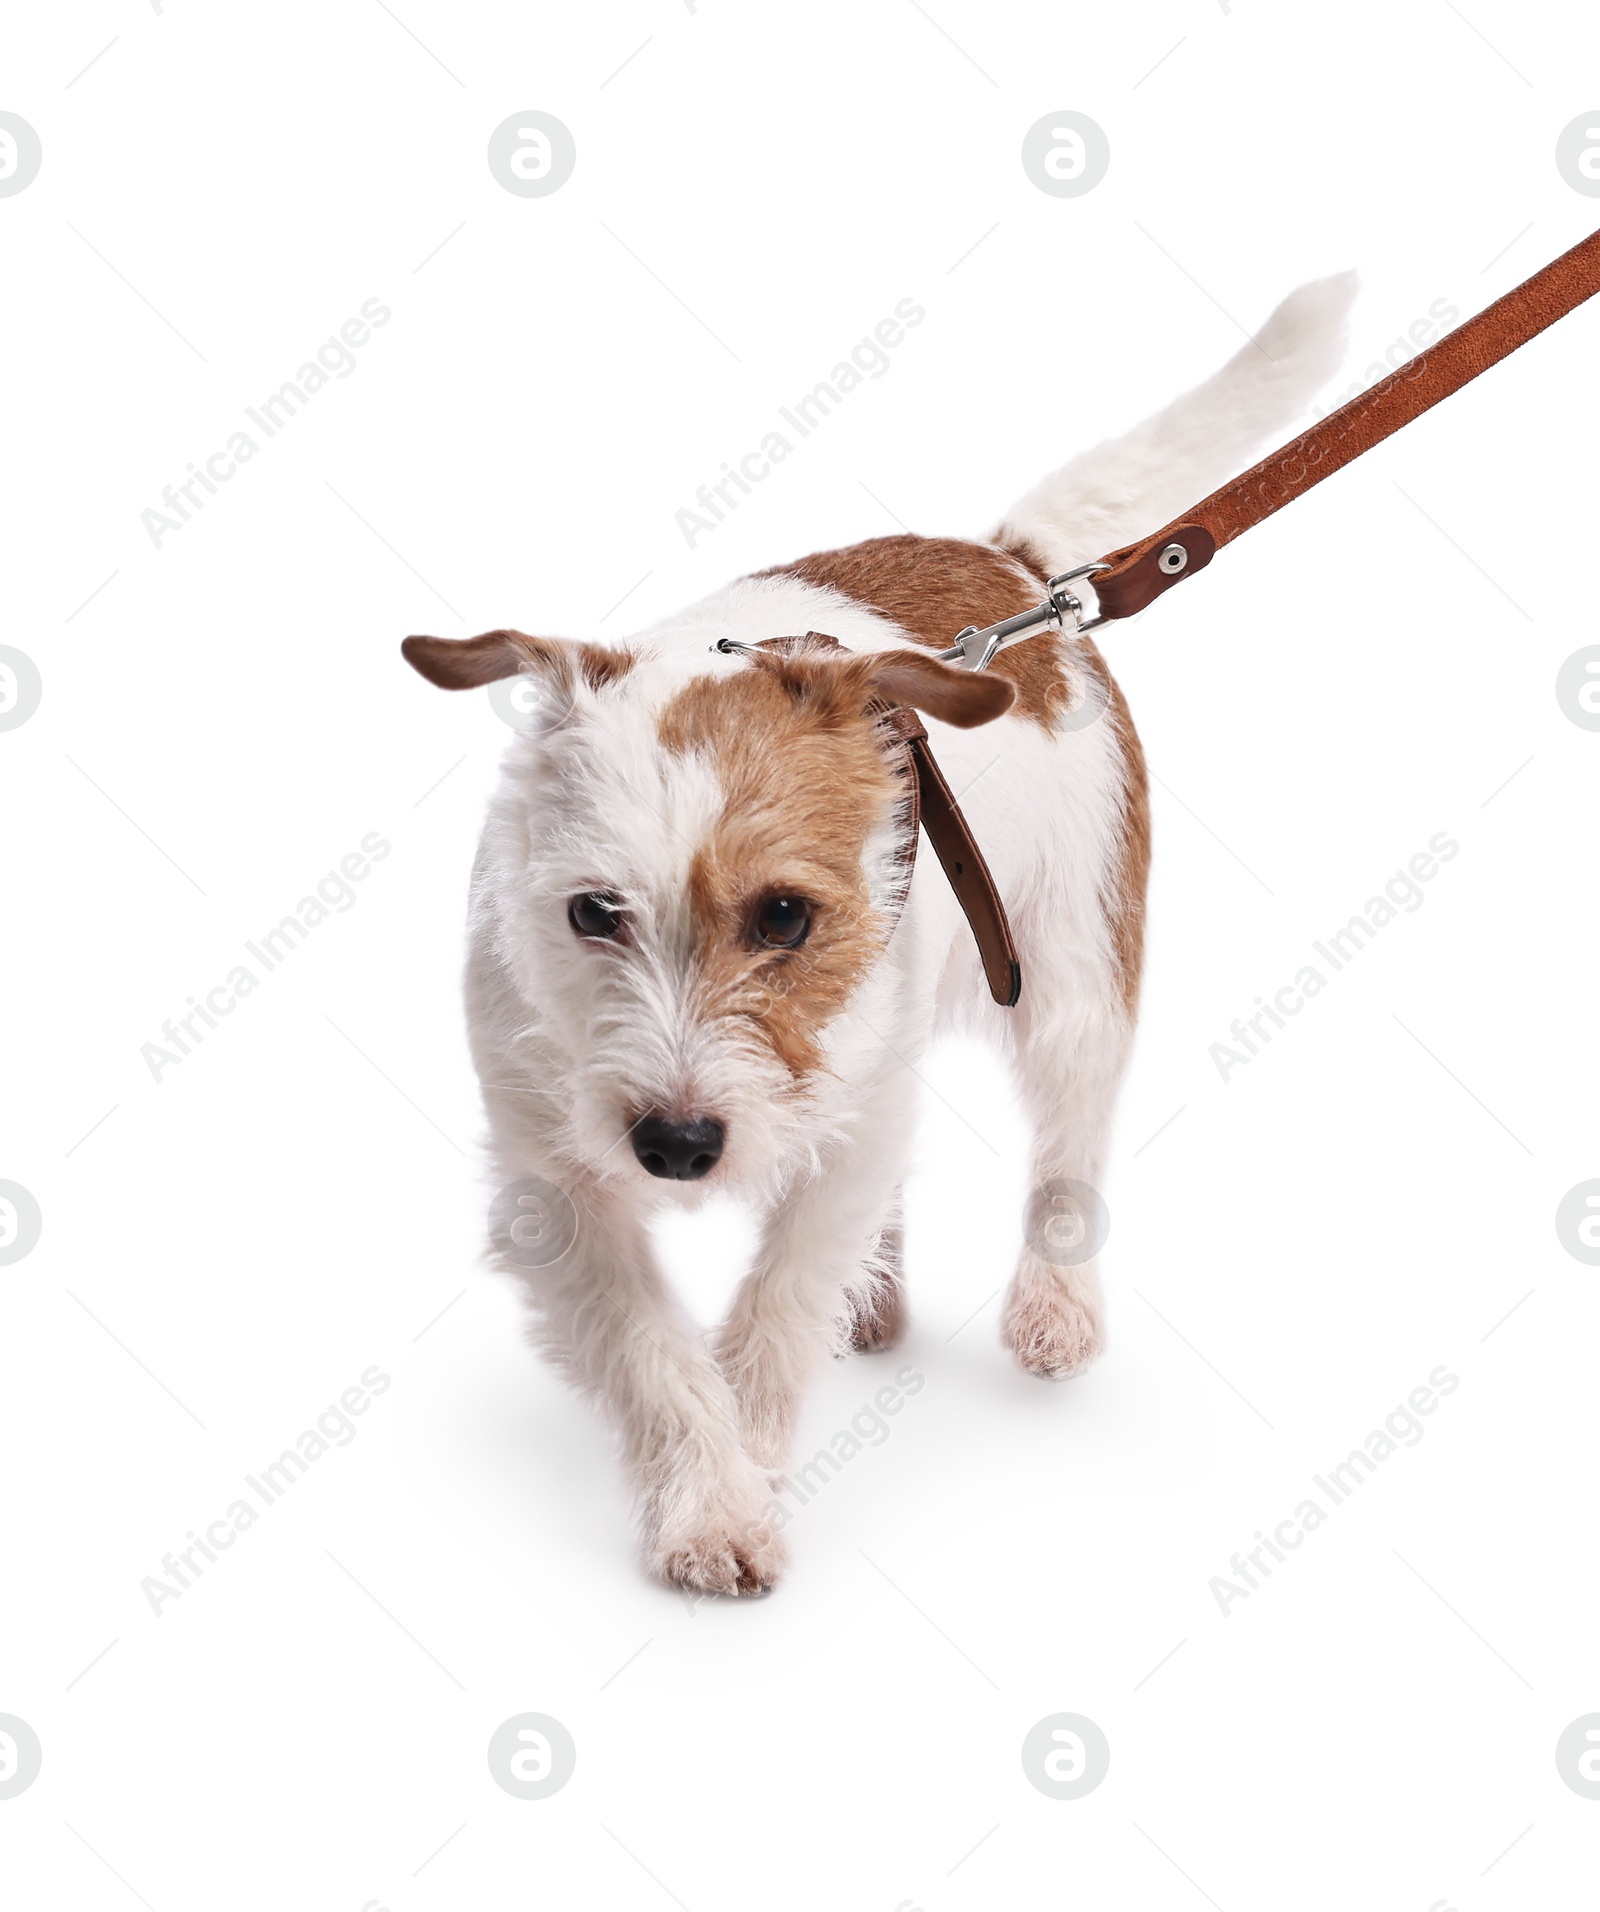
point(694, 962)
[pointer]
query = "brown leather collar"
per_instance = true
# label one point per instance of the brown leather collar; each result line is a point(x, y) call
point(932, 806)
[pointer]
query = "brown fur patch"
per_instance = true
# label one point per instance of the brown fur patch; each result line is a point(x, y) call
point(805, 781)
point(1124, 906)
point(602, 665)
point(1025, 554)
point(934, 587)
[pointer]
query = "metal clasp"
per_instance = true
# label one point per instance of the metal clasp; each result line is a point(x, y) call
point(975, 650)
point(1068, 601)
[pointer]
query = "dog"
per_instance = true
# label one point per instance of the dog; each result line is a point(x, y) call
point(696, 962)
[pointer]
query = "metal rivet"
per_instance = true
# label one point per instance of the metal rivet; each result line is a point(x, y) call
point(1172, 559)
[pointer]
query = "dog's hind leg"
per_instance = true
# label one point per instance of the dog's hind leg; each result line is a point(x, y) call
point(1071, 1038)
point(1052, 1318)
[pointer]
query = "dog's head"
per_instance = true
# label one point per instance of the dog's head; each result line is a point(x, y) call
point(688, 880)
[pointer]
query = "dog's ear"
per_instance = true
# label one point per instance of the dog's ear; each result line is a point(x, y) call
point(468, 662)
point(959, 697)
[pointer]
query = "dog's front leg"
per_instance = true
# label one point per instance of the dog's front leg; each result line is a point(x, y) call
point(608, 1316)
point(817, 1275)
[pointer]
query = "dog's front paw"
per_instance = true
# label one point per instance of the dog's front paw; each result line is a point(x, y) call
point(716, 1537)
point(721, 1556)
point(1051, 1321)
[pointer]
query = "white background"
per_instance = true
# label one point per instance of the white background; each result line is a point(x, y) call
point(227, 716)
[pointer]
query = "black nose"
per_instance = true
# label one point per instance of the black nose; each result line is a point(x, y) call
point(680, 1151)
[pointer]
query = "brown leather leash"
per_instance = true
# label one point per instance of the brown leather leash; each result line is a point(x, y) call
point(1133, 577)
point(1139, 573)
point(1129, 579)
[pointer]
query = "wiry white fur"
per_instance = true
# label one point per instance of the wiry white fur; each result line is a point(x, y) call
point(572, 1040)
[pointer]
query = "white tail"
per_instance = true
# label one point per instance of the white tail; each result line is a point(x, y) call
point(1129, 486)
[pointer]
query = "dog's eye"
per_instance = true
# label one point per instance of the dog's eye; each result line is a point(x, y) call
point(594, 914)
point(782, 922)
